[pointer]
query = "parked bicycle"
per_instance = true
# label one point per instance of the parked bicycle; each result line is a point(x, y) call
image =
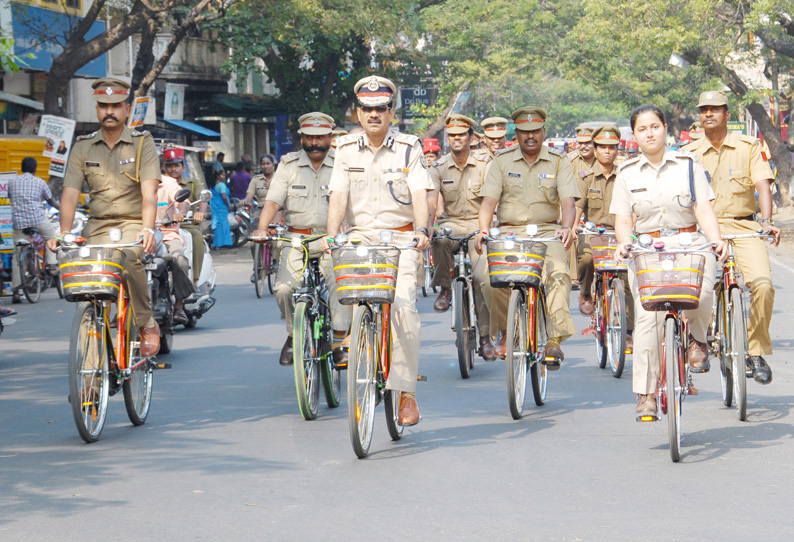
point(728, 330)
point(609, 317)
point(99, 363)
point(670, 280)
point(32, 271)
point(366, 276)
point(517, 264)
point(265, 265)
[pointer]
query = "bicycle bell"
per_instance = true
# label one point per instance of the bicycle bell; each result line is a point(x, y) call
point(340, 239)
point(532, 230)
point(115, 235)
point(386, 236)
point(645, 240)
point(494, 232)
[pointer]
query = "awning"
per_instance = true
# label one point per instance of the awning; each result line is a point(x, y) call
point(19, 100)
point(195, 128)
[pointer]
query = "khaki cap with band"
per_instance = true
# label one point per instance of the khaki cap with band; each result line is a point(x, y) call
point(529, 118)
point(606, 135)
point(494, 127)
point(459, 124)
point(584, 135)
point(315, 123)
point(374, 90)
point(712, 97)
point(110, 91)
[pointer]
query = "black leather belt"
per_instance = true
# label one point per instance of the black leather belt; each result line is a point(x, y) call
point(138, 218)
point(748, 217)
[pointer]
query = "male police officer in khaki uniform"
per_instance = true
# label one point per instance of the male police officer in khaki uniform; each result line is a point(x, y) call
point(300, 186)
point(123, 173)
point(598, 187)
point(459, 177)
point(380, 180)
point(738, 169)
point(533, 185)
point(494, 131)
point(175, 167)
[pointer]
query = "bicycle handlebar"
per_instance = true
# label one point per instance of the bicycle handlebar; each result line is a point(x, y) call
point(634, 248)
point(761, 234)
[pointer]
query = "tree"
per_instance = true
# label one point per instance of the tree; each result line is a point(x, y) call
point(9, 62)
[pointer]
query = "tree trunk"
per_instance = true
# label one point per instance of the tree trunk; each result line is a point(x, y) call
point(144, 60)
point(438, 125)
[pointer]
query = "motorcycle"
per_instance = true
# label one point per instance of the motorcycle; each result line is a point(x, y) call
point(201, 301)
point(240, 222)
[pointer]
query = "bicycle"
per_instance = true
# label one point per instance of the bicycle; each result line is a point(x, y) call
point(428, 270)
point(669, 281)
point(366, 276)
point(609, 317)
point(32, 271)
point(728, 330)
point(517, 264)
point(265, 266)
point(98, 368)
point(464, 317)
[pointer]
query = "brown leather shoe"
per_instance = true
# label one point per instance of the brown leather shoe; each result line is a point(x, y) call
point(646, 405)
point(285, 358)
point(341, 353)
point(150, 340)
point(487, 350)
point(553, 357)
point(698, 355)
point(500, 345)
point(629, 344)
point(441, 303)
point(586, 305)
point(409, 412)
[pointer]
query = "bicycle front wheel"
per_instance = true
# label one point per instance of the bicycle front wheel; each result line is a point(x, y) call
point(259, 271)
point(304, 357)
point(361, 380)
point(600, 320)
point(616, 327)
point(738, 349)
point(721, 341)
point(538, 372)
point(138, 387)
point(88, 372)
point(516, 356)
point(32, 281)
point(270, 268)
point(674, 386)
point(462, 329)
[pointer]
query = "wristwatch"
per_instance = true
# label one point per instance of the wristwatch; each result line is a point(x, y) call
point(772, 222)
point(425, 231)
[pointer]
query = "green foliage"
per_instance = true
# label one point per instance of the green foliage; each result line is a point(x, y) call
point(9, 61)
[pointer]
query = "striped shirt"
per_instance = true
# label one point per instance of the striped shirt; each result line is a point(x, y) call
point(27, 192)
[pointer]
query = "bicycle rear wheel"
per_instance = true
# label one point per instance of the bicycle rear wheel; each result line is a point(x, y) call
point(361, 380)
point(674, 387)
point(270, 269)
point(721, 342)
point(516, 356)
point(330, 374)
point(259, 271)
point(462, 329)
point(304, 357)
point(138, 387)
point(31, 271)
point(391, 404)
point(616, 327)
point(738, 349)
point(88, 372)
point(538, 372)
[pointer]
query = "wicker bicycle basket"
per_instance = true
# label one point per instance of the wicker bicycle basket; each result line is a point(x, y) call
point(669, 281)
point(90, 273)
point(603, 247)
point(371, 277)
point(515, 262)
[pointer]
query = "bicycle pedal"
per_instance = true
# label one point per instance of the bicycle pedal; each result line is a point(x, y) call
point(163, 365)
point(647, 418)
point(692, 390)
point(421, 378)
point(341, 366)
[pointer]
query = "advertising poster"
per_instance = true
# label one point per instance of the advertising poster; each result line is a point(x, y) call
point(59, 132)
point(174, 106)
point(139, 108)
point(6, 230)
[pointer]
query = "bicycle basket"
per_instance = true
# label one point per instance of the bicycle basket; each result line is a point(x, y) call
point(371, 277)
point(90, 273)
point(515, 262)
point(604, 253)
point(669, 281)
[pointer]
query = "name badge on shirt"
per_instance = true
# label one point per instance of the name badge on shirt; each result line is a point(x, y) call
point(447, 181)
point(92, 164)
point(513, 174)
point(299, 186)
point(356, 170)
point(396, 170)
point(595, 190)
point(634, 191)
point(546, 176)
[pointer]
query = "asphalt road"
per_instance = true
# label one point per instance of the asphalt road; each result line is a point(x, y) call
point(225, 454)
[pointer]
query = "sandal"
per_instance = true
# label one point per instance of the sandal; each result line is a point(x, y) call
point(8, 312)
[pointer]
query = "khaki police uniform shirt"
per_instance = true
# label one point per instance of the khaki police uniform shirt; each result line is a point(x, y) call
point(257, 188)
point(529, 193)
point(114, 189)
point(365, 173)
point(660, 198)
point(195, 186)
point(459, 187)
point(734, 170)
point(598, 188)
point(302, 191)
point(580, 172)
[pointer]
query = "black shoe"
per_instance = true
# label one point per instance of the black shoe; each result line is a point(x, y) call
point(286, 353)
point(761, 371)
point(253, 278)
point(17, 299)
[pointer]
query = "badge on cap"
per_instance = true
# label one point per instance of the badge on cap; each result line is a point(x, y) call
point(317, 122)
point(709, 96)
point(373, 84)
point(108, 91)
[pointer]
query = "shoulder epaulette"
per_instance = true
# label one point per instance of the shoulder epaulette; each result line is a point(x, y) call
point(136, 133)
point(87, 136)
point(573, 154)
point(289, 157)
point(483, 157)
point(749, 139)
point(441, 161)
point(690, 147)
point(586, 172)
point(629, 162)
point(506, 150)
point(554, 150)
point(685, 154)
point(331, 153)
point(346, 139)
point(408, 139)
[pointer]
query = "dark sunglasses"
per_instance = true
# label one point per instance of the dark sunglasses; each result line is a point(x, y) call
point(378, 108)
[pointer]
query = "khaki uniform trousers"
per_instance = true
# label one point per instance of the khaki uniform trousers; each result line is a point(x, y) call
point(586, 273)
point(48, 231)
point(443, 261)
point(753, 260)
point(290, 277)
point(649, 325)
point(556, 279)
point(198, 250)
point(134, 274)
point(405, 323)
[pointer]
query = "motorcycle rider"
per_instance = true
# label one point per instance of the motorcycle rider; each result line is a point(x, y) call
point(169, 208)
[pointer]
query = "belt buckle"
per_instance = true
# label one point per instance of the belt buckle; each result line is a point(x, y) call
point(667, 232)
